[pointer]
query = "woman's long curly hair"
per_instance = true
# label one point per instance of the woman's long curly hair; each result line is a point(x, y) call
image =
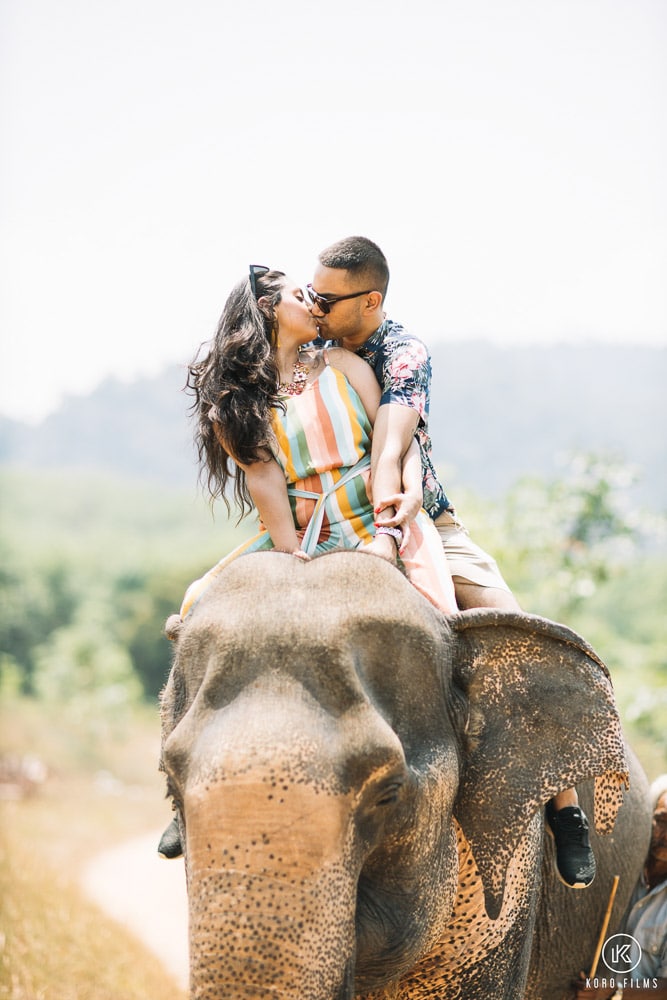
point(234, 380)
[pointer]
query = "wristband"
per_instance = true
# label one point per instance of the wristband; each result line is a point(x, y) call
point(395, 533)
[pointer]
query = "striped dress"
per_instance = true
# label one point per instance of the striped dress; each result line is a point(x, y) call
point(323, 446)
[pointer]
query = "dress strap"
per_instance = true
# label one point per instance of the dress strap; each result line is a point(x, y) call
point(312, 532)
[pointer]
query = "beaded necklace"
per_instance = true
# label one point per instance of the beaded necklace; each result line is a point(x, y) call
point(300, 374)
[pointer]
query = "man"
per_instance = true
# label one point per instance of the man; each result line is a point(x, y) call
point(356, 320)
point(347, 294)
point(646, 919)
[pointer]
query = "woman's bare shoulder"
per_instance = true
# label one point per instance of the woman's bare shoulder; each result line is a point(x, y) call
point(314, 357)
point(345, 360)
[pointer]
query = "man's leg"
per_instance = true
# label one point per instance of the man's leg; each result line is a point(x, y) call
point(478, 582)
point(473, 595)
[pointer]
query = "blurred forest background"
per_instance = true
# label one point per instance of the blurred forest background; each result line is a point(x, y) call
point(555, 459)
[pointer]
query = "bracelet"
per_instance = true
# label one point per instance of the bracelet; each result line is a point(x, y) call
point(395, 533)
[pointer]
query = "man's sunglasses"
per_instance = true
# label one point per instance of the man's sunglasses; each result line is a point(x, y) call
point(256, 271)
point(325, 302)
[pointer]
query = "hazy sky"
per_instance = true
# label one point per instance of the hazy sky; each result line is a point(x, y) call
point(509, 156)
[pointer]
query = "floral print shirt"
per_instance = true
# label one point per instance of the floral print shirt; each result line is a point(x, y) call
point(402, 366)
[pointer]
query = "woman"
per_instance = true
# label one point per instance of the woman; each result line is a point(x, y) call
point(271, 416)
point(292, 431)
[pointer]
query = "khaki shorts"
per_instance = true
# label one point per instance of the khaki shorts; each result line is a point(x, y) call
point(466, 560)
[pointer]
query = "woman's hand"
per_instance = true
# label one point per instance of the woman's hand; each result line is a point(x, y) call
point(405, 508)
point(293, 551)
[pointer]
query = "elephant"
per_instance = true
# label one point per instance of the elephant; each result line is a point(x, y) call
point(360, 782)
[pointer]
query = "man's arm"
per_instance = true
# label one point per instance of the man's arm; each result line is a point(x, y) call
point(407, 504)
point(401, 505)
point(393, 434)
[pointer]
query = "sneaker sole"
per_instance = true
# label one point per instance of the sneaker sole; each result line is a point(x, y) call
point(575, 885)
point(568, 885)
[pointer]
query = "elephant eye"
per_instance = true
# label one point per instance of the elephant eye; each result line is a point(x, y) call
point(389, 794)
point(173, 793)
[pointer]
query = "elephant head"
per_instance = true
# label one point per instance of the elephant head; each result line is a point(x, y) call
point(356, 774)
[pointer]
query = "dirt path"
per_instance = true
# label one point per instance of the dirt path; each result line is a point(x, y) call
point(146, 894)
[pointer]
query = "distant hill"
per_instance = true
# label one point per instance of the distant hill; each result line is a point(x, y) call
point(139, 430)
point(497, 414)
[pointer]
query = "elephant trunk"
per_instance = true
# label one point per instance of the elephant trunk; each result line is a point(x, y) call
point(272, 906)
point(282, 803)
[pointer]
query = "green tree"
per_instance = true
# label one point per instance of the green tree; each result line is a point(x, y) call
point(33, 602)
point(86, 674)
point(575, 550)
point(143, 601)
point(570, 536)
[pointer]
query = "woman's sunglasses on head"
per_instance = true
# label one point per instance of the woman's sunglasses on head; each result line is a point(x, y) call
point(256, 271)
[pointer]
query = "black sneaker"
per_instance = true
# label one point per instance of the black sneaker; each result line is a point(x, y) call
point(170, 842)
point(575, 861)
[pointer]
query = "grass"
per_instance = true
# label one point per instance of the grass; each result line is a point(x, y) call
point(55, 944)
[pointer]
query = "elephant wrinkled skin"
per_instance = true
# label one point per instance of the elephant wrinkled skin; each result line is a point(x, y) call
point(360, 781)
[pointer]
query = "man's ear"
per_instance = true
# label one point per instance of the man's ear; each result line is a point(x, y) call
point(373, 301)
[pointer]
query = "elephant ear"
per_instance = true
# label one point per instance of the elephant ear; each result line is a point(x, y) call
point(542, 718)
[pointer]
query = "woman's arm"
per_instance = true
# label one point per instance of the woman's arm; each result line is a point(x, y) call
point(266, 485)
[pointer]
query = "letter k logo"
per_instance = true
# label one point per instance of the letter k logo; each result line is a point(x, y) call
point(621, 953)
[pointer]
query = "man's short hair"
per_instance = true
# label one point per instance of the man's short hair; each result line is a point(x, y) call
point(361, 257)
